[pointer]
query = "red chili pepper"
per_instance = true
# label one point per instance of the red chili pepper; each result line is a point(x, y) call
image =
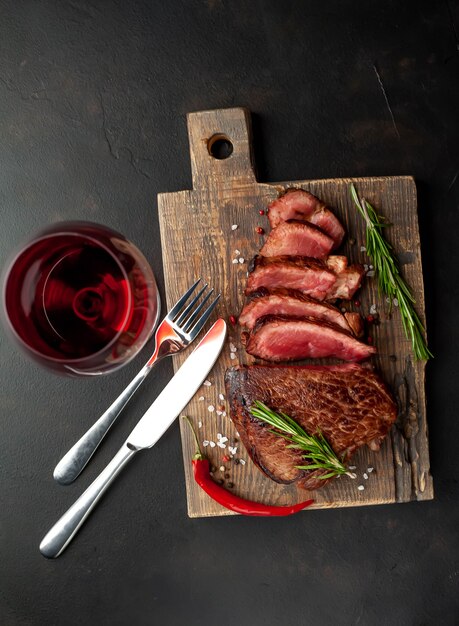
point(229, 500)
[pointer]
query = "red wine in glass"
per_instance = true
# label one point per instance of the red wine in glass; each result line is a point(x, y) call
point(80, 298)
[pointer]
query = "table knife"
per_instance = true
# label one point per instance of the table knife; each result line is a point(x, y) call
point(154, 423)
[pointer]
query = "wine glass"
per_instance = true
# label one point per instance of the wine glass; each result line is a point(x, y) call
point(80, 298)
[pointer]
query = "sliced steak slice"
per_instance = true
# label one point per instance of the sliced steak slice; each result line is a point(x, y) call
point(284, 338)
point(297, 239)
point(349, 403)
point(289, 302)
point(310, 276)
point(298, 204)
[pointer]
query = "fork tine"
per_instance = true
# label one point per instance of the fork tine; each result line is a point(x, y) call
point(195, 314)
point(180, 303)
point(204, 317)
point(181, 318)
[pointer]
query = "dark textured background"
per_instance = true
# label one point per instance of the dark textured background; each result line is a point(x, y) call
point(93, 97)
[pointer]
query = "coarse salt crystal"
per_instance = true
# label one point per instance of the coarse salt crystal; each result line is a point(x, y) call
point(212, 444)
point(365, 476)
point(222, 468)
point(371, 267)
point(373, 309)
point(220, 444)
point(363, 249)
point(223, 439)
point(232, 355)
point(370, 273)
point(201, 399)
point(205, 443)
point(232, 450)
point(234, 226)
point(360, 487)
point(219, 412)
point(365, 267)
point(207, 383)
point(224, 414)
point(199, 424)
point(370, 469)
point(352, 467)
point(221, 396)
point(241, 461)
point(219, 435)
point(395, 301)
point(235, 261)
point(232, 348)
point(237, 252)
point(211, 408)
point(241, 259)
point(343, 310)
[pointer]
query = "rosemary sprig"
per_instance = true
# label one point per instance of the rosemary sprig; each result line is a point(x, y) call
point(319, 453)
point(390, 281)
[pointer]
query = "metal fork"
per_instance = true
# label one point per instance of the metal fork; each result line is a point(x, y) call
point(175, 333)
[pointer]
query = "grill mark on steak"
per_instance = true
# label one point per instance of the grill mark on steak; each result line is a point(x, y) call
point(297, 239)
point(289, 302)
point(286, 338)
point(349, 403)
point(310, 276)
point(301, 205)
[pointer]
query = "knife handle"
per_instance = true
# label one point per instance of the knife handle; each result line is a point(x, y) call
point(70, 466)
point(63, 531)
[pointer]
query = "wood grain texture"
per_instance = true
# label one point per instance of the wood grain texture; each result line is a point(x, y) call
point(198, 240)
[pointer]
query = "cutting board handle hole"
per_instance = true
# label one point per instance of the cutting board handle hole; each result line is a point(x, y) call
point(220, 147)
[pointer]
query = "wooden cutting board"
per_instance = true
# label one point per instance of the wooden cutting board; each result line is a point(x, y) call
point(204, 229)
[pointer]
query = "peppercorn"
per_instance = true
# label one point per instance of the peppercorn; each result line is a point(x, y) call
point(357, 302)
point(233, 320)
point(370, 319)
point(261, 212)
point(260, 230)
point(230, 485)
point(370, 340)
point(227, 475)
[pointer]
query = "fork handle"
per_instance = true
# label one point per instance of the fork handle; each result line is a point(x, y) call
point(63, 531)
point(70, 466)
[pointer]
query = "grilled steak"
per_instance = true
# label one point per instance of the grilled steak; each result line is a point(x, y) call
point(292, 303)
point(284, 338)
point(298, 204)
point(297, 239)
point(348, 403)
point(310, 276)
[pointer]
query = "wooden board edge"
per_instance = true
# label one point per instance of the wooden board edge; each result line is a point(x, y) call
point(314, 507)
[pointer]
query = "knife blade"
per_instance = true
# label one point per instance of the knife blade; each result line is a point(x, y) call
point(153, 424)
